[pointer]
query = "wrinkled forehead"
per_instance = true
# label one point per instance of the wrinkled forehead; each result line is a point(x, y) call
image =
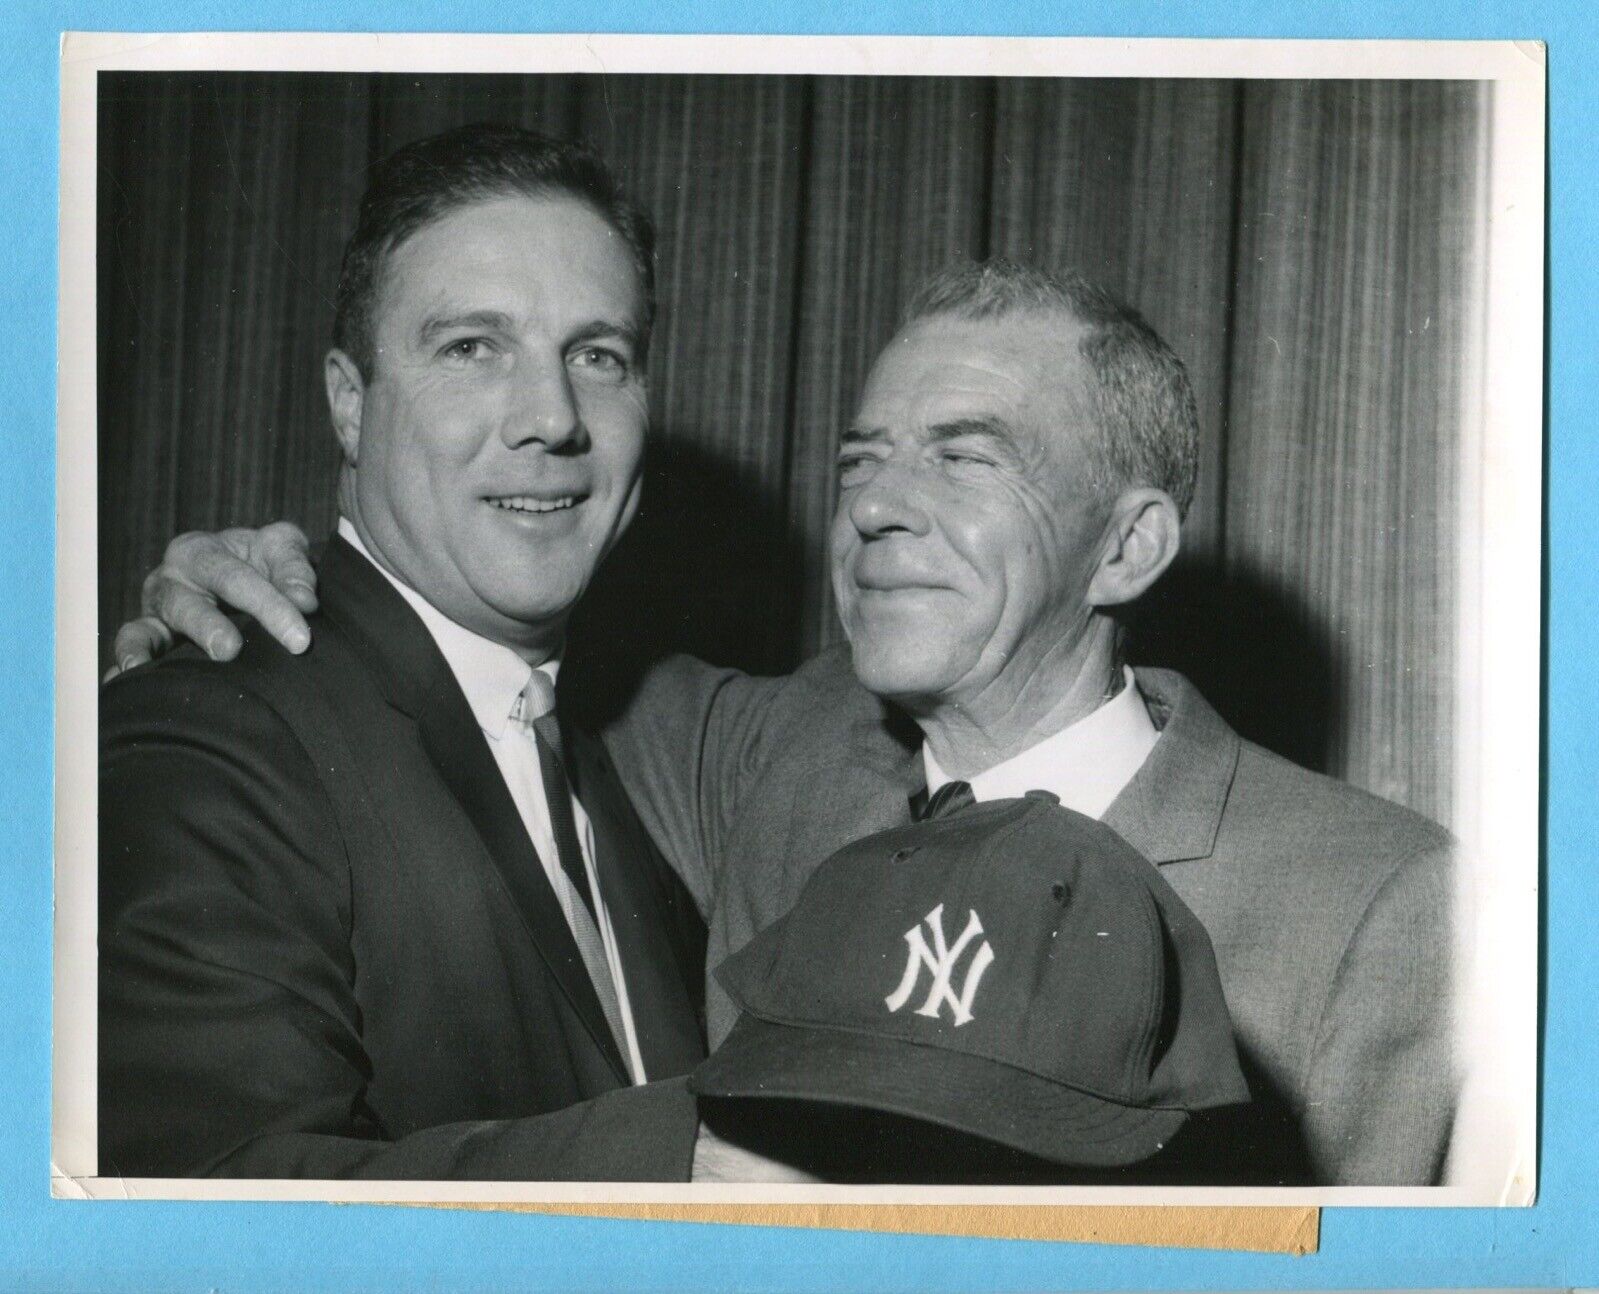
point(1023, 368)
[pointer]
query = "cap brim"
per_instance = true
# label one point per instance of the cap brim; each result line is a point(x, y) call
point(950, 1088)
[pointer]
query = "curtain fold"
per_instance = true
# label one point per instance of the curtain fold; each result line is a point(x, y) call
point(1356, 211)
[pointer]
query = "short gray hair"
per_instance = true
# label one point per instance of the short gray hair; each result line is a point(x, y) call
point(1148, 422)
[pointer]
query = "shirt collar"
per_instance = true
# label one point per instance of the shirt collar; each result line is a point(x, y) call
point(491, 675)
point(1087, 764)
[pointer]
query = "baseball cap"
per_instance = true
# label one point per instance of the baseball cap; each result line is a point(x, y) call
point(1015, 971)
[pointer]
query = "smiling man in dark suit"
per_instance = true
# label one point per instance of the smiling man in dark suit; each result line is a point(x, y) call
point(376, 911)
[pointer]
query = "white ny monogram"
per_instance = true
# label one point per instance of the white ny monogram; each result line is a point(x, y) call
point(941, 960)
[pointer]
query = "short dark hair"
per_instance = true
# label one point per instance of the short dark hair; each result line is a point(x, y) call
point(426, 180)
point(1148, 422)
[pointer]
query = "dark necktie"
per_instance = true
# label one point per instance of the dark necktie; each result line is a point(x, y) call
point(950, 798)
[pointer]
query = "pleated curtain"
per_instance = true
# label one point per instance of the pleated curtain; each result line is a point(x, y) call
point(1308, 248)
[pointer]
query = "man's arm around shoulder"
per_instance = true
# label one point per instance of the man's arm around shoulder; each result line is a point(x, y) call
point(685, 745)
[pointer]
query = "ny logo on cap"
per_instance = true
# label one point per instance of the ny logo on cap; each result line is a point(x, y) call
point(941, 961)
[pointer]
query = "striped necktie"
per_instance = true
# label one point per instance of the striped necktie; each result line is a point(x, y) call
point(534, 717)
point(534, 714)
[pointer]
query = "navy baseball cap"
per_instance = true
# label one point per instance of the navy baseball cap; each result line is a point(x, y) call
point(1015, 971)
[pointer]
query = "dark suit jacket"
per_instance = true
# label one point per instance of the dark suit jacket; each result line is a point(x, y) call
point(1329, 909)
point(327, 947)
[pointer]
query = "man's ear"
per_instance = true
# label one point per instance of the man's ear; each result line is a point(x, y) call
point(1141, 541)
point(346, 394)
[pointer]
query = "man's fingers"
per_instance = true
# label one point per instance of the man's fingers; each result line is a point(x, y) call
point(286, 552)
point(138, 641)
point(243, 588)
point(192, 614)
point(215, 569)
point(284, 537)
point(203, 569)
point(282, 619)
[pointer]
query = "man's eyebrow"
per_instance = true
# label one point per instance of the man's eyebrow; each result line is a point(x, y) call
point(490, 320)
point(987, 428)
point(597, 329)
point(499, 321)
point(855, 434)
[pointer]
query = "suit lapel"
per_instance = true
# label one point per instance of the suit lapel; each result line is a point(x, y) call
point(1172, 808)
point(1170, 811)
point(457, 748)
point(664, 1018)
point(417, 681)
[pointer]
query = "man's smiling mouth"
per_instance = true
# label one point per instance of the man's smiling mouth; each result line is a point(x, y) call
point(527, 504)
point(896, 582)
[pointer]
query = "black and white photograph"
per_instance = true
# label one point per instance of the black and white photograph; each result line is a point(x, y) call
point(692, 619)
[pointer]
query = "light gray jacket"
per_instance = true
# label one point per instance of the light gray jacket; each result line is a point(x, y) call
point(1329, 908)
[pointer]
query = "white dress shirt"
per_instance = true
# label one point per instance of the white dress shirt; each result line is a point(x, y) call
point(1087, 764)
point(492, 676)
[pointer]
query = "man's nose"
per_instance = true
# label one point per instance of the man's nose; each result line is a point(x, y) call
point(891, 501)
point(543, 409)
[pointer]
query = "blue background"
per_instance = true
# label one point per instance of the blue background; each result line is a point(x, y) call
point(61, 1245)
